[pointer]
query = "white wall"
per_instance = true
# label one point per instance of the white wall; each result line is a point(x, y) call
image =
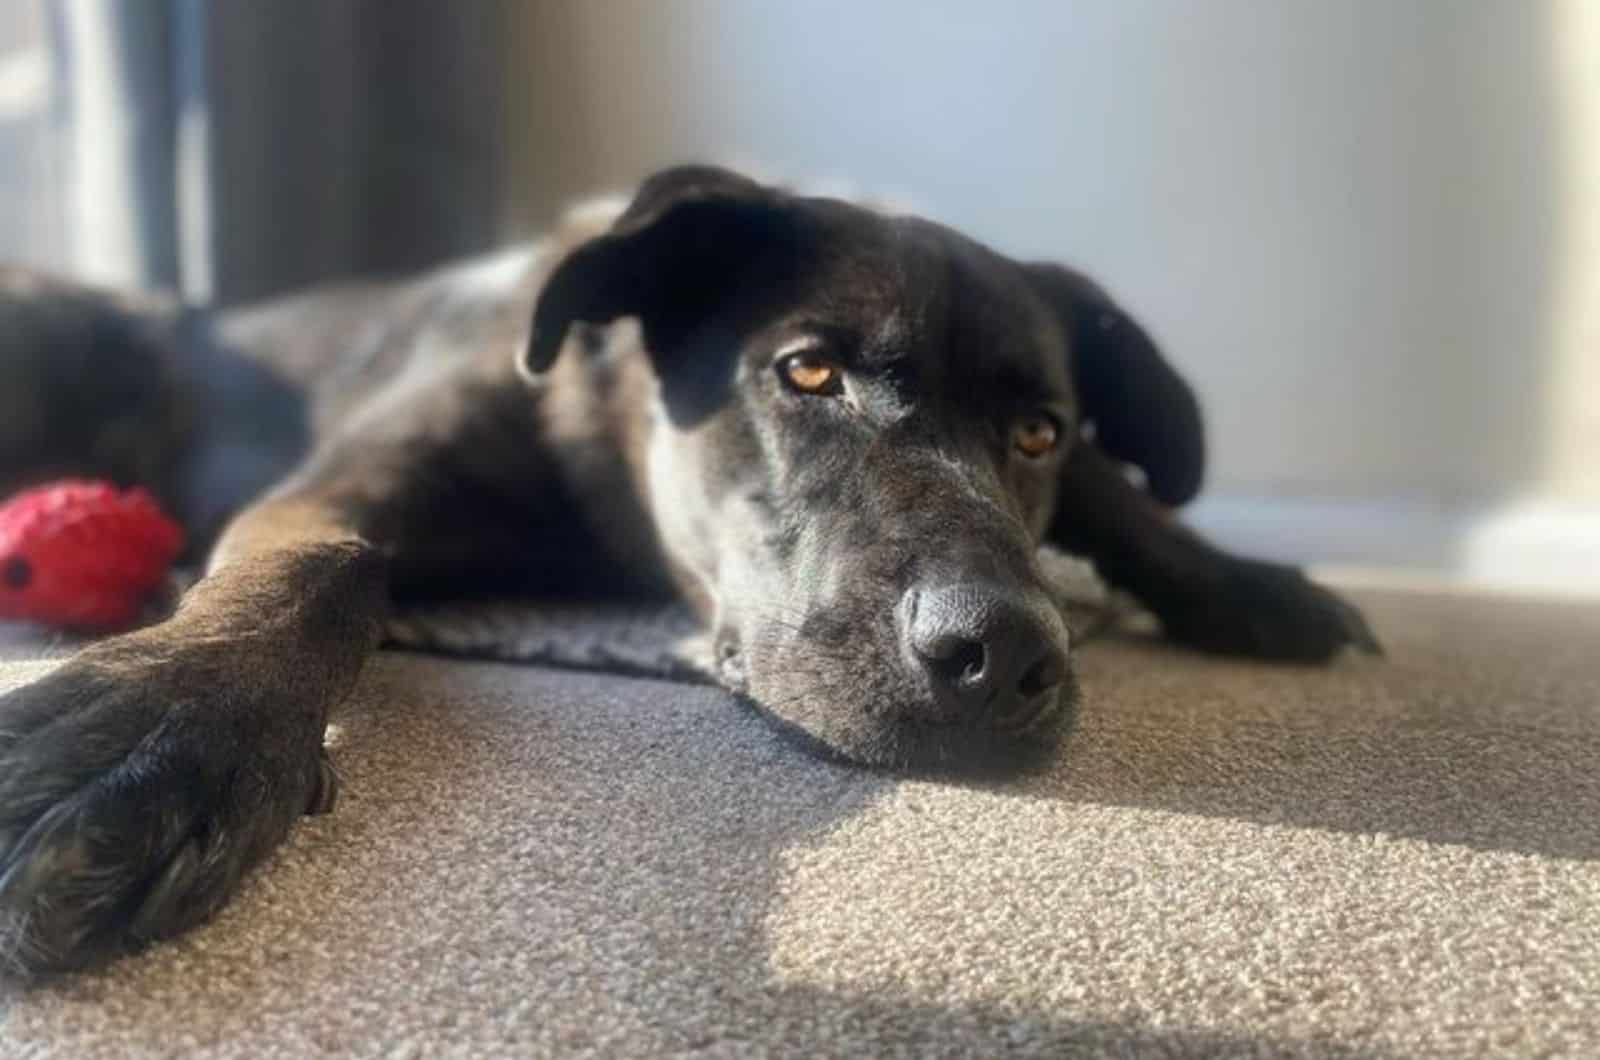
point(1367, 229)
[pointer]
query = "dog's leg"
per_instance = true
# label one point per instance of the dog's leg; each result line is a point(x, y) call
point(143, 777)
point(1203, 596)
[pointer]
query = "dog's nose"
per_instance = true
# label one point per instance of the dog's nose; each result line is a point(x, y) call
point(986, 652)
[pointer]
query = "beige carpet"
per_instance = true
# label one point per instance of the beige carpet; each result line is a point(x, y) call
point(1389, 858)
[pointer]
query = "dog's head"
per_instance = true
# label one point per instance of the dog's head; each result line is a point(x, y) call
point(861, 427)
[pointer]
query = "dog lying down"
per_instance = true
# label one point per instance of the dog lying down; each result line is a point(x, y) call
point(840, 437)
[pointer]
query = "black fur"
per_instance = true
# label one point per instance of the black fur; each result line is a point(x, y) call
point(637, 437)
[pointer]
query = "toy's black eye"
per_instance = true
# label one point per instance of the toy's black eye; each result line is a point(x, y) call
point(811, 374)
point(18, 573)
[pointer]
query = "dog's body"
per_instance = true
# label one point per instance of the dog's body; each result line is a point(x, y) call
point(840, 436)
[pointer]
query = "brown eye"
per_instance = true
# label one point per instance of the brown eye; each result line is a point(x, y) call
point(810, 375)
point(1035, 435)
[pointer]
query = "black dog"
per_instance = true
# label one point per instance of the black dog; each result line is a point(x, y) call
point(840, 435)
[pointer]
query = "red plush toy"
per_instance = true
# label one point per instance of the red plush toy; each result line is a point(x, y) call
point(83, 555)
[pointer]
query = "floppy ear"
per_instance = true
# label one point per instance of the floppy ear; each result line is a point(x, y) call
point(666, 260)
point(1143, 412)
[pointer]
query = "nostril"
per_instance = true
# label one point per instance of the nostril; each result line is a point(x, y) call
point(1043, 675)
point(984, 651)
point(956, 660)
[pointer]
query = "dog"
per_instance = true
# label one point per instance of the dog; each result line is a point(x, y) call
point(840, 435)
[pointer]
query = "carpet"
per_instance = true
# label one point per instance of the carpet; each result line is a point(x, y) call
point(1395, 857)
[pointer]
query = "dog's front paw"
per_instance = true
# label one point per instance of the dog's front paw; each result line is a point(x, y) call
point(133, 796)
point(1268, 611)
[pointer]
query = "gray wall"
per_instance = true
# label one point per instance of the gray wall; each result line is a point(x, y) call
point(1359, 226)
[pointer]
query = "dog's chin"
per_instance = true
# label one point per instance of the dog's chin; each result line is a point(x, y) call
point(900, 738)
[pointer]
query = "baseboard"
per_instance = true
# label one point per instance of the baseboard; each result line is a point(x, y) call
point(1535, 546)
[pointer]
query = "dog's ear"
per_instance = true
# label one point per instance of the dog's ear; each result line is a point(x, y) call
point(666, 260)
point(1143, 412)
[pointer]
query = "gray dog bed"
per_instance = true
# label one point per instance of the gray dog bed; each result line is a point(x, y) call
point(667, 641)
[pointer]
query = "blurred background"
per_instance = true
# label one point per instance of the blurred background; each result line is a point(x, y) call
point(1368, 230)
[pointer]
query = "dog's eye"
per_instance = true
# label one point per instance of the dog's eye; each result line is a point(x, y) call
point(810, 374)
point(1035, 435)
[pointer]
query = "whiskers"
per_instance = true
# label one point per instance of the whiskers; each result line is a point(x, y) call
point(781, 633)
